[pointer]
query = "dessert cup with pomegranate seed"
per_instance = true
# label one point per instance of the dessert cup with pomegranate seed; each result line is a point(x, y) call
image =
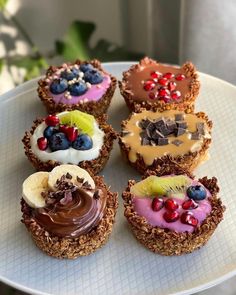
point(150, 138)
point(85, 86)
point(157, 86)
point(170, 212)
point(67, 212)
point(70, 137)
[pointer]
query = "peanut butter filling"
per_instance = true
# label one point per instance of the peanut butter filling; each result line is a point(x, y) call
point(132, 138)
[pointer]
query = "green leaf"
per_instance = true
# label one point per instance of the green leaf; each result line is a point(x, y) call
point(75, 44)
point(33, 65)
point(3, 3)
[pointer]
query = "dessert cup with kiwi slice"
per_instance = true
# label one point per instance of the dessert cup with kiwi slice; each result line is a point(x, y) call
point(171, 212)
point(84, 86)
point(150, 138)
point(68, 212)
point(70, 137)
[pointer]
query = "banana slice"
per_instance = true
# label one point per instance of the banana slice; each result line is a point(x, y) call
point(32, 188)
point(73, 170)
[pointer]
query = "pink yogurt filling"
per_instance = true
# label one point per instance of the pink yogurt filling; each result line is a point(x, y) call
point(93, 94)
point(143, 207)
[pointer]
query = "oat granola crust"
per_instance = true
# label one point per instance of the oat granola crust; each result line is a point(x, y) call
point(83, 245)
point(95, 166)
point(95, 108)
point(188, 161)
point(164, 241)
point(187, 102)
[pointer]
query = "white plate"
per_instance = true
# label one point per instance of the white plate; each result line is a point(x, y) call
point(123, 266)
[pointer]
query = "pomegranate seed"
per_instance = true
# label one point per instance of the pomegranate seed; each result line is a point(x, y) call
point(168, 75)
point(189, 204)
point(175, 94)
point(172, 85)
point(180, 77)
point(71, 133)
point(149, 85)
point(165, 99)
point(188, 218)
point(171, 216)
point(52, 120)
point(155, 75)
point(171, 205)
point(163, 92)
point(163, 81)
point(63, 128)
point(42, 143)
point(157, 204)
point(152, 95)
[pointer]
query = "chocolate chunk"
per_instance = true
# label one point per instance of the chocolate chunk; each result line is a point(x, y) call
point(179, 131)
point(144, 123)
point(163, 141)
point(201, 128)
point(96, 195)
point(181, 124)
point(195, 136)
point(164, 130)
point(171, 125)
point(156, 134)
point(177, 142)
point(145, 141)
point(179, 117)
point(160, 122)
point(80, 180)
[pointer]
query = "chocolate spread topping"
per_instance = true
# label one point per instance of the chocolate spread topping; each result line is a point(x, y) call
point(77, 213)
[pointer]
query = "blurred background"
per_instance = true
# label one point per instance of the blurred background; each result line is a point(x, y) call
point(35, 34)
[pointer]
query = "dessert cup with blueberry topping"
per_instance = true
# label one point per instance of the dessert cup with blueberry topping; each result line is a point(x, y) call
point(157, 86)
point(82, 85)
point(67, 212)
point(172, 213)
point(70, 137)
point(150, 138)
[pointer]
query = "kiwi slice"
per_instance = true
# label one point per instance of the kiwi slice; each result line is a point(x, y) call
point(154, 185)
point(82, 121)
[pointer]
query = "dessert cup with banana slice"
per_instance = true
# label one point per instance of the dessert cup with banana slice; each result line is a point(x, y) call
point(171, 212)
point(70, 137)
point(68, 212)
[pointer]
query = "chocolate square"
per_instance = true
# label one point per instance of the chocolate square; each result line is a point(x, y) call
point(171, 125)
point(181, 124)
point(177, 142)
point(163, 141)
point(179, 131)
point(164, 130)
point(143, 124)
point(195, 136)
point(157, 134)
point(160, 122)
point(179, 117)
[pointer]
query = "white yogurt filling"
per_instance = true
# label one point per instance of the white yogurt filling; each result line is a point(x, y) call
point(70, 155)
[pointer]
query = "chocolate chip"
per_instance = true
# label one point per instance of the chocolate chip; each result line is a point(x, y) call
point(179, 131)
point(163, 141)
point(181, 124)
point(96, 195)
point(177, 142)
point(160, 122)
point(68, 176)
point(80, 180)
point(179, 117)
point(195, 136)
point(201, 128)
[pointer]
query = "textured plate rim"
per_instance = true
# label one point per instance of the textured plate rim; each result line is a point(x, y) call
point(29, 86)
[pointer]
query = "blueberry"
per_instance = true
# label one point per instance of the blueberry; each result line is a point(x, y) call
point(49, 131)
point(58, 86)
point(196, 192)
point(74, 73)
point(77, 88)
point(83, 142)
point(58, 141)
point(93, 77)
point(86, 67)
